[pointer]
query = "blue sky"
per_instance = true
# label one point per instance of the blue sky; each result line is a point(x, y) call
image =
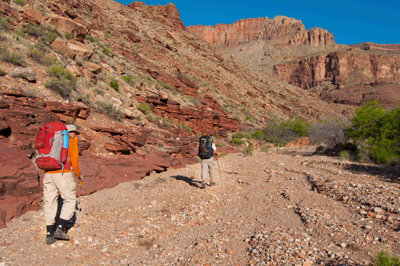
point(350, 21)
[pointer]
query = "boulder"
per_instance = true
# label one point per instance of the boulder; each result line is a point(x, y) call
point(32, 15)
point(25, 73)
point(80, 49)
point(68, 25)
point(60, 46)
point(74, 70)
point(92, 67)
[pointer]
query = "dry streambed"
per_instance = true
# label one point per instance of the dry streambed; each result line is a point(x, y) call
point(288, 207)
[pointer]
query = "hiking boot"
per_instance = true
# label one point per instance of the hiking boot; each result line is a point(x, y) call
point(59, 234)
point(50, 240)
point(212, 184)
point(203, 186)
point(50, 234)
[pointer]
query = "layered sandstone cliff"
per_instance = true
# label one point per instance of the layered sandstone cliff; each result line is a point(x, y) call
point(336, 67)
point(282, 31)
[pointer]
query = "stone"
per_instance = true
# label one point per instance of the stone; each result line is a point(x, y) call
point(24, 72)
point(378, 210)
point(80, 49)
point(68, 25)
point(60, 46)
point(92, 67)
point(32, 15)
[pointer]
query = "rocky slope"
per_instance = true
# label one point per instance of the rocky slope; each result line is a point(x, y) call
point(140, 86)
point(287, 207)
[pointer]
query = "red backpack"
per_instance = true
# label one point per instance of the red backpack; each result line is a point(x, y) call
point(52, 146)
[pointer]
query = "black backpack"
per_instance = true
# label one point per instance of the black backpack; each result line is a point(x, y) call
point(205, 147)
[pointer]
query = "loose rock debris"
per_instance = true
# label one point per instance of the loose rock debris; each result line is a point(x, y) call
point(271, 209)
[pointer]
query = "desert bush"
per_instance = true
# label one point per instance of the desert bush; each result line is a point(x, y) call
point(20, 2)
point(110, 110)
point(377, 128)
point(384, 259)
point(237, 141)
point(4, 25)
point(330, 131)
point(91, 38)
point(222, 154)
point(61, 80)
point(265, 149)
point(86, 100)
point(241, 135)
point(144, 108)
point(105, 50)
point(257, 135)
point(186, 128)
point(46, 34)
point(285, 131)
point(129, 80)
point(11, 57)
point(68, 35)
point(98, 91)
point(138, 118)
point(169, 87)
point(41, 58)
point(114, 84)
point(249, 149)
point(344, 155)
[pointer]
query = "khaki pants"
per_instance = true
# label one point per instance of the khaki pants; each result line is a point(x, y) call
point(207, 164)
point(66, 184)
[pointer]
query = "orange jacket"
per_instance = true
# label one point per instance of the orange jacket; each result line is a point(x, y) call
point(73, 153)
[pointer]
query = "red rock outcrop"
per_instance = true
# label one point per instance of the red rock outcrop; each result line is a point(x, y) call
point(283, 30)
point(167, 15)
point(336, 67)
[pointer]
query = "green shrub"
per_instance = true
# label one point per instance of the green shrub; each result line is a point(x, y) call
point(2, 73)
point(129, 80)
point(257, 135)
point(249, 149)
point(384, 259)
point(86, 100)
point(186, 128)
point(220, 144)
point(237, 141)
point(91, 38)
point(105, 50)
point(68, 35)
point(265, 149)
point(144, 108)
point(222, 154)
point(241, 135)
point(61, 80)
point(11, 57)
point(4, 25)
point(114, 84)
point(98, 91)
point(138, 118)
point(46, 34)
point(110, 110)
point(40, 57)
point(169, 87)
point(283, 132)
point(378, 129)
point(344, 155)
point(106, 34)
point(20, 2)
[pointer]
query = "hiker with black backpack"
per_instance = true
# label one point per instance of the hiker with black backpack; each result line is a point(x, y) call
point(57, 152)
point(207, 151)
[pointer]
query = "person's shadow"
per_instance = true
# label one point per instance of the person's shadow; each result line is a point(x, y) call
point(189, 180)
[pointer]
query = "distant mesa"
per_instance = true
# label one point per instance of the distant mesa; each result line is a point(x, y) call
point(281, 31)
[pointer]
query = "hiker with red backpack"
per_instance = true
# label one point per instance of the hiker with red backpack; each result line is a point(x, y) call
point(57, 152)
point(207, 151)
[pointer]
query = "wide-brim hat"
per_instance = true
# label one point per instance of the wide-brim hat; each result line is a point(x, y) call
point(72, 128)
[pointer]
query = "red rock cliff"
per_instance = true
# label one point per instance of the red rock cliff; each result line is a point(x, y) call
point(336, 67)
point(288, 31)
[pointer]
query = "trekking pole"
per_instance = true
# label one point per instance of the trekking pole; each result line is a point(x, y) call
point(79, 207)
point(219, 170)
